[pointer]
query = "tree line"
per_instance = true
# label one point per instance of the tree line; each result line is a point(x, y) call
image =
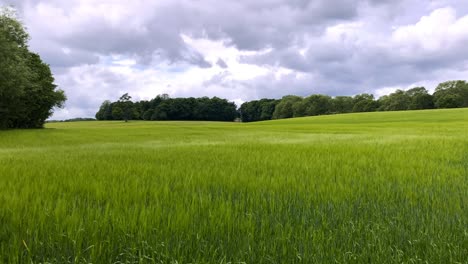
point(162, 107)
point(27, 90)
point(451, 94)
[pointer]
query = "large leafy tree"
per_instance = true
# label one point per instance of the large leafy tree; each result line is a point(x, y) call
point(342, 104)
point(27, 90)
point(105, 111)
point(13, 66)
point(451, 94)
point(284, 109)
point(313, 105)
point(125, 104)
point(258, 110)
point(413, 99)
point(396, 101)
point(365, 103)
point(420, 99)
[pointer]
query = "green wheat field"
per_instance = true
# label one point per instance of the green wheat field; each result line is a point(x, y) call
point(387, 187)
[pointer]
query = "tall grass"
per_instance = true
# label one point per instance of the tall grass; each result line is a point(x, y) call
point(359, 188)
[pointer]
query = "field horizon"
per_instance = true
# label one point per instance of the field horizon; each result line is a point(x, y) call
point(382, 187)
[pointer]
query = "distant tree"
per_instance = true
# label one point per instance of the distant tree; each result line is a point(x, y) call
point(258, 110)
point(284, 109)
point(214, 109)
point(144, 106)
point(135, 111)
point(117, 112)
point(164, 96)
point(298, 107)
point(148, 114)
point(249, 111)
point(105, 111)
point(365, 103)
point(420, 99)
point(156, 101)
point(126, 106)
point(342, 104)
point(267, 107)
point(451, 94)
point(218, 109)
point(179, 109)
point(395, 101)
point(313, 105)
point(160, 112)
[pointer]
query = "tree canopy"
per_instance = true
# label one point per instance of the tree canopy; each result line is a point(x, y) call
point(27, 90)
point(258, 110)
point(451, 94)
point(413, 99)
point(164, 108)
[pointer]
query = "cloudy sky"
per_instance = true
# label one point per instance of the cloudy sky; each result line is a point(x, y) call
point(244, 49)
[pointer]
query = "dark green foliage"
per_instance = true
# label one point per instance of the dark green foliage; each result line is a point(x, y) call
point(396, 101)
point(285, 109)
point(258, 110)
point(40, 97)
point(13, 71)
point(160, 111)
point(413, 99)
point(148, 114)
point(365, 103)
point(313, 105)
point(447, 95)
point(451, 94)
point(267, 107)
point(27, 90)
point(164, 108)
point(342, 104)
point(126, 105)
point(117, 113)
point(105, 111)
point(215, 109)
point(420, 99)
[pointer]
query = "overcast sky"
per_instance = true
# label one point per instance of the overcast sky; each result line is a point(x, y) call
point(244, 49)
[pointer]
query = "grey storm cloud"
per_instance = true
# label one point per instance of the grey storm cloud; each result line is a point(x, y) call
point(328, 46)
point(154, 27)
point(221, 63)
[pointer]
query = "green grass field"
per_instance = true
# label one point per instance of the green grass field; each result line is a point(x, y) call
point(387, 187)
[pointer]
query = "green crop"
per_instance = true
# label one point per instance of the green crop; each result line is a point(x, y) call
point(387, 187)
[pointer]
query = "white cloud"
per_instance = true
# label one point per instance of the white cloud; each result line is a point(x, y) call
point(439, 31)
